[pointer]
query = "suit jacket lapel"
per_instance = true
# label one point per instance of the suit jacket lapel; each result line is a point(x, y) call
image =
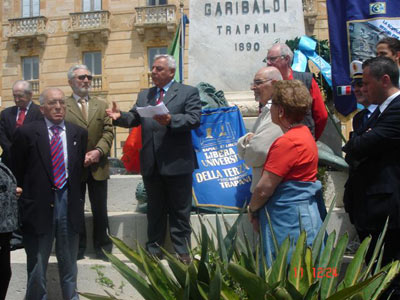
point(43, 144)
point(31, 112)
point(74, 109)
point(93, 107)
point(13, 117)
point(72, 145)
point(171, 94)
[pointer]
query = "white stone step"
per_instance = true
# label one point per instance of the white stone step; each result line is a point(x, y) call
point(87, 277)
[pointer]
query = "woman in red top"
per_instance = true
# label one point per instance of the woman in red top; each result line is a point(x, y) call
point(288, 189)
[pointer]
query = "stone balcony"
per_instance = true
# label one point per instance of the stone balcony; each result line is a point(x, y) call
point(92, 26)
point(155, 18)
point(27, 29)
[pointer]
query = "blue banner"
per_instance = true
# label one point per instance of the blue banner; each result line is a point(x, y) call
point(223, 179)
point(355, 27)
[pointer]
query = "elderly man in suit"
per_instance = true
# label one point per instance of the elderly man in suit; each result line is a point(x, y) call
point(47, 161)
point(23, 112)
point(167, 158)
point(89, 112)
point(373, 189)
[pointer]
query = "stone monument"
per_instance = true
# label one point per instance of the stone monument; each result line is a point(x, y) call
point(228, 40)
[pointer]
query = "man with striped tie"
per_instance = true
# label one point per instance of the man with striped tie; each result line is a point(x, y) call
point(47, 161)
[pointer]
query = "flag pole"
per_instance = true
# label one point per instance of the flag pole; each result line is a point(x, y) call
point(182, 38)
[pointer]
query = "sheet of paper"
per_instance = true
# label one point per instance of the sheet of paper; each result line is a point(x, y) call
point(150, 111)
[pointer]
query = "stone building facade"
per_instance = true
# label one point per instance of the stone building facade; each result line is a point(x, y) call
point(41, 39)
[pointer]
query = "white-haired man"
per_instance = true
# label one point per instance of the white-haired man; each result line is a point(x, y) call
point(167, 158)
point(254, 146)
point(89, 112)
point(280, 56)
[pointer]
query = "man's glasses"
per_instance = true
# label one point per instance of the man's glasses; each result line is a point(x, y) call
point(259, 82)
point(272, 59)
point(82, 77)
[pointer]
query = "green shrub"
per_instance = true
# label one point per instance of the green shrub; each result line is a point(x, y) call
point(228, 267)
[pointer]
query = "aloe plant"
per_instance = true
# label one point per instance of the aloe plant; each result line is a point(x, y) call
point(231, 268)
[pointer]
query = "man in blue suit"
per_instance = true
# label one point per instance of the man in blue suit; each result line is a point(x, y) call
point(167, 157)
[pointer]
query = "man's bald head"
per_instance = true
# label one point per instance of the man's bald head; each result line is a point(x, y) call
point(263, 83)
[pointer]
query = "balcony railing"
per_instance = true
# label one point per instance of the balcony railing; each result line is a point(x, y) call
point(94, 24)
point(97, 83)
point(25, 27)
point(35, 86)
point(155, 16)
point(91, 20)
point(27, 30)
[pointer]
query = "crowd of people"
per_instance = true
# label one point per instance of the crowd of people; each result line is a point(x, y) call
point(59, 148)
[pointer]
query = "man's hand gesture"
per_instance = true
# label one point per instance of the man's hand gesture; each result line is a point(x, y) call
point(113, 112)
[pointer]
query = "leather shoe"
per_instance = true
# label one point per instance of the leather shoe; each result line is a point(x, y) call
point(185, 258)
point(102, 256)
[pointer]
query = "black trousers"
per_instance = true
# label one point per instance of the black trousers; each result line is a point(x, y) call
point(98, 201)
point(391, 253)
point(168, 196)
point(5, 266)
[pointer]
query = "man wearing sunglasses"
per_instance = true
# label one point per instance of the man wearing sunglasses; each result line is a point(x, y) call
point(89, 112)
point(280, 56)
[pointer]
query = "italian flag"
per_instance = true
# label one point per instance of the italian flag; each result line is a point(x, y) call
point(343, 90)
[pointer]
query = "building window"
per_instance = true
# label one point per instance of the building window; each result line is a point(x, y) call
point(157, 2)
point(30, 68)
point(91, 5)
point(30, 72)
point(153, 52)
point(93, 61)
point(30, 8)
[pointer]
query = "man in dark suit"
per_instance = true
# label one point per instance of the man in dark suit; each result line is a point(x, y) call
point(47, 161)
point(373, 190)
point(167, 158)
point(360, 119)
point(89, 112)
point(23, 112)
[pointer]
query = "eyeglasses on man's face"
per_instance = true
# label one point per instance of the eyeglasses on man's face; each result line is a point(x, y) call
point(259, 82)
point(82, 77)
point(272, 59)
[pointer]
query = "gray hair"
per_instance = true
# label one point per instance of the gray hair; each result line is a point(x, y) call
point(71, 70)
point(43, 95)
point(170, 60)
point(285, 51)
point(26, 85)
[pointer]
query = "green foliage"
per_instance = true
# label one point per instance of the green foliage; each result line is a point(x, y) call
point(230, 268)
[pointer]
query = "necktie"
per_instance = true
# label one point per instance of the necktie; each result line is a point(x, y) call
point(21, 117)
point(57, 158)
point(365, 117)
point(83, 103)
point(372, 119)
point(160, 99)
